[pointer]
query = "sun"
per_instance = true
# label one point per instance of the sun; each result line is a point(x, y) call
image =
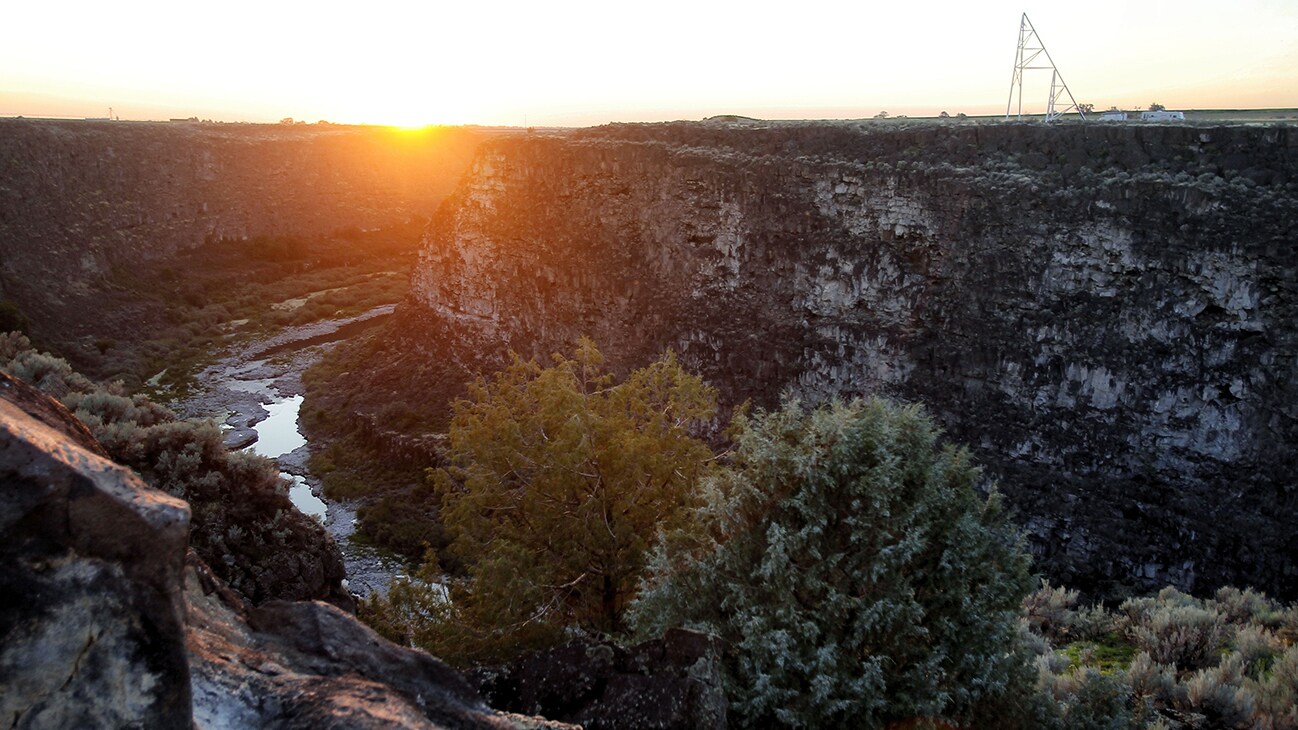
point(402, 111)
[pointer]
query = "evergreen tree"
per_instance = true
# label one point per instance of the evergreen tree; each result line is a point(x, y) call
point(559, 479)
point(855, 573)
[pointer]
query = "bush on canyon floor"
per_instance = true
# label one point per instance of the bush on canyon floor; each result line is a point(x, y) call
point(243, 524)
point(858, 577)
point(559, 479)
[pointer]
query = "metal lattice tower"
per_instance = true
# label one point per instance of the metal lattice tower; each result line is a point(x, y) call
point(1030, 49)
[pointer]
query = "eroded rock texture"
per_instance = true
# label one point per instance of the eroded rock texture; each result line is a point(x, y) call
point(91, 617)
point(1106, 314)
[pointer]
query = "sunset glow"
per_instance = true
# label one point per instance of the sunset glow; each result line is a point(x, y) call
point(580, 63)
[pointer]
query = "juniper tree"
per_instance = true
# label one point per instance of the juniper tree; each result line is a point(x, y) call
point(558, 480)
point(856, 574)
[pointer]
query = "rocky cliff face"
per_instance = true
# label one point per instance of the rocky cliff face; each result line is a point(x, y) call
point(1106, 314)
point(78, 198)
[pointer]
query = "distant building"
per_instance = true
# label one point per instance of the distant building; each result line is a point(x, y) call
point(1113, 116)
point(1162, 116)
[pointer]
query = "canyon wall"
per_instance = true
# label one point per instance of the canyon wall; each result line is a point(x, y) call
point(80, 198)
point(1105, 314)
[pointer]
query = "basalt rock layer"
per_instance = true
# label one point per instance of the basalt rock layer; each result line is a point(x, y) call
point(1105, 314)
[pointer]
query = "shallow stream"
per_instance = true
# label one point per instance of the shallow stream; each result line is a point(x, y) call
point(278, 435)
point(256, 393)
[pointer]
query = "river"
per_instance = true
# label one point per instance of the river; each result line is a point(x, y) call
point(279, 435)
point(256, 393)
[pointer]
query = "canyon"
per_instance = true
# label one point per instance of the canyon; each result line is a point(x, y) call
point(1104, 314)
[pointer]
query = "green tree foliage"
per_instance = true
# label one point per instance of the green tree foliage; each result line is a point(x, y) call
point(558, 481)
point(857, 576)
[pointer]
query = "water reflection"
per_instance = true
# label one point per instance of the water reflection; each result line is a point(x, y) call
point(302, 497)
point(278, 434)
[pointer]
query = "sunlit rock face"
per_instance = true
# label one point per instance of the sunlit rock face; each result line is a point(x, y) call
point(1106, 315)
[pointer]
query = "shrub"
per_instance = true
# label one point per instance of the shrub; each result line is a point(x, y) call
point(1257, 649)
point(1276, 692)
point(1087, 700)
point(1242, 607)
point(1219, 695)
point(1049, 611)
point(855, 572)
point(1175, 629)
point(1186, 637)
point(12, 343)
point(48, 373)
point(1153, 683)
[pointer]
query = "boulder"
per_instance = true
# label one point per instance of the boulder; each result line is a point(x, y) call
point(91, 618)
point(307, 664)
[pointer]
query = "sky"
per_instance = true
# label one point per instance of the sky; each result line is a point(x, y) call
point(580, 63)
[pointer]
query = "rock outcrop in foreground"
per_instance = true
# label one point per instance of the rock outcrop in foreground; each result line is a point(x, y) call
point(1106, 314)
point(104, 622)
point(308, 664)
point(91, 616)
